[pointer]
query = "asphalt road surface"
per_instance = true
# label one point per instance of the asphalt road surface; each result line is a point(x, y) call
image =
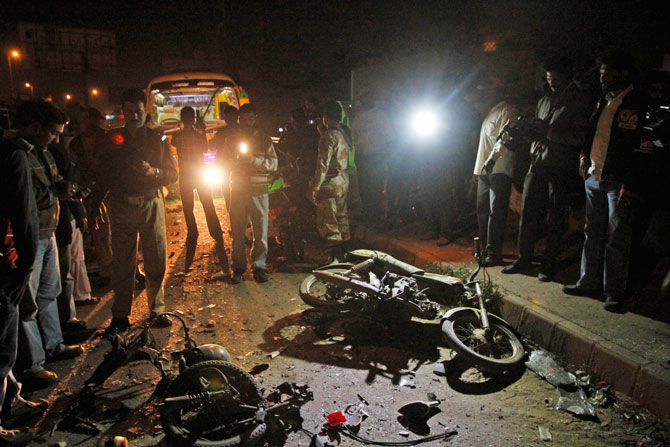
point(342, 359)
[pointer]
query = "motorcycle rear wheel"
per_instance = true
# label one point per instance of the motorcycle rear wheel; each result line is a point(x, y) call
point(323, 295)
point(222, 421)
point(497, 351)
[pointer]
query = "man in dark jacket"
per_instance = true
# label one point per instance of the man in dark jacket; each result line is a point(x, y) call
point(136, 164)
point(19, 226)
point(562, 131)
point(40, 124)
point(615, 170)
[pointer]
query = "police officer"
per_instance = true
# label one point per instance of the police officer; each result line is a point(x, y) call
point(330, 184)
point(136, 165)
point(250, 157)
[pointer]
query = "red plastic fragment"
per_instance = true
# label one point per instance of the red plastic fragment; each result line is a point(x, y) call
point(336, 419)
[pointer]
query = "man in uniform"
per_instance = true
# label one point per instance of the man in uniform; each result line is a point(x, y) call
point(191, 145)
point(136, 165)
point(330, 184)
point(250, 158)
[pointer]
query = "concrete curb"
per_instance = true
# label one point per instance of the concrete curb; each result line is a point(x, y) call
point(646, 382)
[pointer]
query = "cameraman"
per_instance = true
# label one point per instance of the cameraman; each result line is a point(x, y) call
point(559, 134)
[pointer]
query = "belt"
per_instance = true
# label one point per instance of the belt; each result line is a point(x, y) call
point(139, 200)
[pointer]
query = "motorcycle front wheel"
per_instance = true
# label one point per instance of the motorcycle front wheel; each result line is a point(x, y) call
point(497, 350)
point(217, 404)
point(318, 293)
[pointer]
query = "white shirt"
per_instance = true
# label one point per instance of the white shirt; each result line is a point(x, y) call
point(372, 132)
point(497, 118)
point(601, 140)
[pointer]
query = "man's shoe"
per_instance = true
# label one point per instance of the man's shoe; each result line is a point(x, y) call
point(237, 277)
point(546, 273)
point(429, 235)
point(37, 380)
point(517, 266)
point(613, 304)
point(442, 241)
point(160, 321)
point(575, 290)
point(24, 412)
point(261, 275)
point(74, 325)
point(16, 437)
point(65, 353)
point(117, 326)
point(492, 259)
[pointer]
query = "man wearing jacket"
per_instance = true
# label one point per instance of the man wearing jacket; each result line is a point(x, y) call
point(329, 187)
point(494, 169)
point(250, 158)
point(561, 133)
point(615, 169)
point(136, 165)
point(40, 124)
point(19, 238)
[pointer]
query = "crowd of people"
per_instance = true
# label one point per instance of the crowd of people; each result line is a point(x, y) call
point(110, 185)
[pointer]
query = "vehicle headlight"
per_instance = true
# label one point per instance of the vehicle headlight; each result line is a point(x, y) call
point(213, 175)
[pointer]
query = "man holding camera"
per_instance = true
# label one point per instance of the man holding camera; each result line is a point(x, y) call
point(250, 157)
point(136, 165)
point(560, 132)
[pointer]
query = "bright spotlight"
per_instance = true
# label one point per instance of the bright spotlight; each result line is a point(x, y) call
point(243, 148)
point(425, 123)
point(213, 176)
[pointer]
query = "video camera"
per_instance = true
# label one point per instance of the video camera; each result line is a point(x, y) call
point(657, 125)
point(518, 135)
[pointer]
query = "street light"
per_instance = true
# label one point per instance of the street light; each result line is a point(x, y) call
point(94, 92)
point(30, 86)
point(68, 96)
point(13, 54)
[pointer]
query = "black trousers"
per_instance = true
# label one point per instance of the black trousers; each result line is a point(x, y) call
point(545, 201)
point(186, 187)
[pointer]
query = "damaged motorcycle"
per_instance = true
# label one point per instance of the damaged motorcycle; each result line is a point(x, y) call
point(380, 284)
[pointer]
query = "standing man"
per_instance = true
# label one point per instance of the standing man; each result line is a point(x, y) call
point(330, 184)
point(373, 134)
point(250, 157)
point(40, 124)
point(136, 165)
point(561, 132)
point(191, 145)
point(217, 143)
point(494, 169)
point(19, 238)
point(615, 171)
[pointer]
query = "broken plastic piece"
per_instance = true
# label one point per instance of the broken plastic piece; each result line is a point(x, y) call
point(336, 419)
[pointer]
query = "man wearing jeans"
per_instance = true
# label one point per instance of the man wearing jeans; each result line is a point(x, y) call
point(615, 169)
point(40, 124)
point(494, 169)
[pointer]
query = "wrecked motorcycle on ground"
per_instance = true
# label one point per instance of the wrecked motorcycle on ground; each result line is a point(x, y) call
point(380, 284)
point(211, 402)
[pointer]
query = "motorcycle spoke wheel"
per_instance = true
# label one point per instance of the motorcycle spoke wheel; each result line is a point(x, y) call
point(496, 350)
point(318, 293)
point(227, 418)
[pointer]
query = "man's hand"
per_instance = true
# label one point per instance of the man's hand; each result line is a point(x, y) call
point(311, 196)
point(66, 190)
point(627, 199)
point(488, 166)
point(97, 217)
point(82, 224)
point(584, 165)
point(145, 169)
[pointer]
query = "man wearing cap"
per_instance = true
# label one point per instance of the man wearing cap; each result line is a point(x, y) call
point(250, 158)
point(136, 165)
point(561, 133)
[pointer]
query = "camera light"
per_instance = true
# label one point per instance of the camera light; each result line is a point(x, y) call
point(425, 123)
